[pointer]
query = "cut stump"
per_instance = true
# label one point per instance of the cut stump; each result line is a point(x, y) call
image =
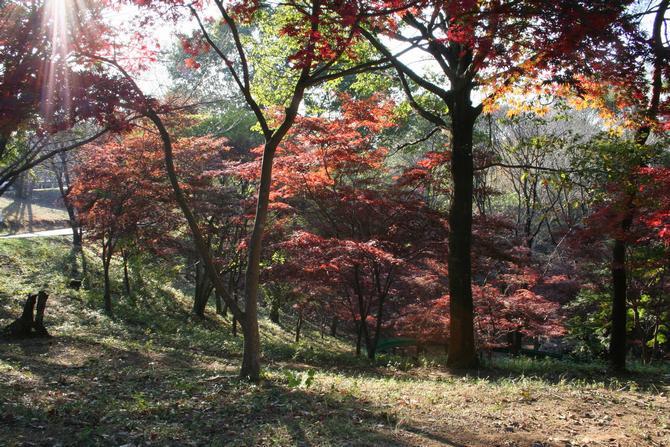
point(30, 324)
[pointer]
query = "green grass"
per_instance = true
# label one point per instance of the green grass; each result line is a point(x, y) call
point(154, 375)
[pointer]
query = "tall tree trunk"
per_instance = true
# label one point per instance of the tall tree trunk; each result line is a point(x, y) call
point(461, 343)
point(617, 348)
point(84, 262)
point(234, 323)
point(619, 279)
point(515, 341)
point(199, 241)
point(203, 290)
point(64, 188)
point(640, 333)
point(251, 366)
point(4, 140)
point(219, 306)
point(372, 350)
point(655, 347)
point(72, 219)
point(369, 348)
point(23, 186)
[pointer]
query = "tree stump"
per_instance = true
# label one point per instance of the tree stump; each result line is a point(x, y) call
point(38, 324)
point(30, 324)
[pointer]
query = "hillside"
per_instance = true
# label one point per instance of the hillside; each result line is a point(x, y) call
point(155, 376)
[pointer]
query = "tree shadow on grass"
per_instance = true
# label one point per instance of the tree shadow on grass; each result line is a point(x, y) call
point(75, 392)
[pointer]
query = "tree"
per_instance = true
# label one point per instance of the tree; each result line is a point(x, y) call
point(659, 55)
point(49, 104)
point(655, 200)
point(357, 238)
point(635, 98)
point(61, 166)
point(318, 42)
point(121, 197)
point(489, 46)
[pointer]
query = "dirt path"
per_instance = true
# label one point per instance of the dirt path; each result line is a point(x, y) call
point(47, 233)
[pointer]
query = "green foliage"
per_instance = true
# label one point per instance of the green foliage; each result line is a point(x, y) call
point(588, 326)
point(228, 120)
point(610, 158)
point(273, 78)
point(299, 379)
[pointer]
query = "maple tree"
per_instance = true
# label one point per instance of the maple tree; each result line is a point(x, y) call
point(123, 199)
point(651, 109)
point(642, 105)
point(329, 228)
point(488, 46)
point(49, 104)
point(358, 238)
point(120, 196)
point(319, 40)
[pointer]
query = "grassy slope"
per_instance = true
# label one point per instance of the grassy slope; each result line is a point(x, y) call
point(153, 376)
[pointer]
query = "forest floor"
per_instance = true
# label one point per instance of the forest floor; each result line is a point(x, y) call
point(154, 376)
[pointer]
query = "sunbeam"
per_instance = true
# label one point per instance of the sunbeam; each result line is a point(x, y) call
point(58, 24)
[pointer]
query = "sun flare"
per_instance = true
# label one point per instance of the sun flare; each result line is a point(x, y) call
point(58, 25)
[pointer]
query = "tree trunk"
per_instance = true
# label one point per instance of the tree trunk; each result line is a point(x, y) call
point(250, 362)
point(202, 291)
point(372, 348)
point(22, 186)
point(655, 348)
point(298, 327)
point(219, 306)
point(107, 294)
point(126, 278)
point(369, 348)
point(359, 336)
point(274, 311)
point(84, 263)
point(4, 140)
point(639, 333)
point(333, 327)
point(617, 348)
point(64, 187)
point(251, 367)
point(461, 343)
point(515, 342)
point(234, 323)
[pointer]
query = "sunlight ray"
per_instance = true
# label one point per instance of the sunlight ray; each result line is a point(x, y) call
point(58, 18)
